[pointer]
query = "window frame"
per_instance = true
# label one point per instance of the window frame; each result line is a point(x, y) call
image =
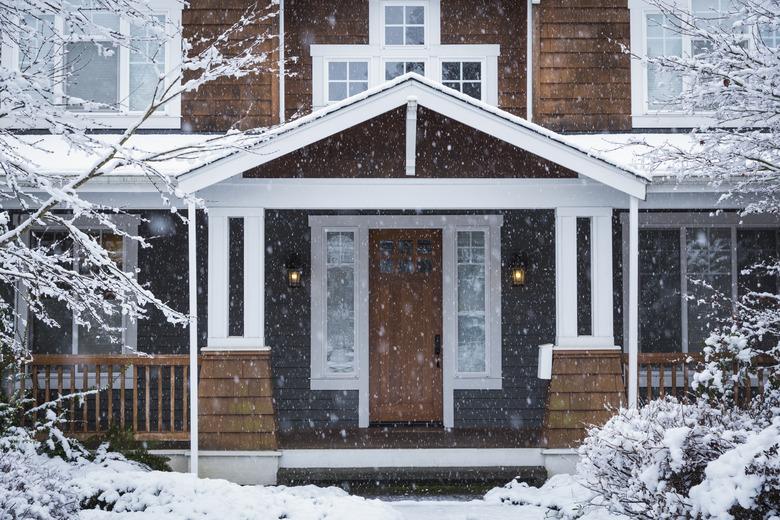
point(425, 4)
point(125, 223)
point(169, 118)
point(682, 222)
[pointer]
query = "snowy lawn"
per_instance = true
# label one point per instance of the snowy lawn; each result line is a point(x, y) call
point(139, 494)
point(111, 487)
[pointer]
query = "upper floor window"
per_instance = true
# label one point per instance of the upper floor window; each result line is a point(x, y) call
point(403, 37)
point(404, 24)
point(656, 90)
point(90, 72)
point(463, 76)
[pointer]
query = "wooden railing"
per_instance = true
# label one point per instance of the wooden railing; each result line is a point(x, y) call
point(150, 394)
point(662, 374)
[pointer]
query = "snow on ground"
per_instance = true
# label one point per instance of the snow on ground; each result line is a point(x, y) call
point(118, 489)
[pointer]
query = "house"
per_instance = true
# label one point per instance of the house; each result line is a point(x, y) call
point(433, 263)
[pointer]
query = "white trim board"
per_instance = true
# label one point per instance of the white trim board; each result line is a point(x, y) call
point(447, 102)
point(451, 379)
point(411, 458)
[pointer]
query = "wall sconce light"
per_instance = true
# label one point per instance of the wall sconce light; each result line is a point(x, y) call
point(518, 270)
point(294, 272)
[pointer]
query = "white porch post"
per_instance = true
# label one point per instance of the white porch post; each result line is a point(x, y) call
point(193, 286)
point(633, 302)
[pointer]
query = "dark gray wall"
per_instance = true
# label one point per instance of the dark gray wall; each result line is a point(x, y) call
point(528, 316)
point(287, 329)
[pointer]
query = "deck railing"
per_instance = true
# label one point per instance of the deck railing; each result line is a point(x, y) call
point(662, 374)
point(147, 394)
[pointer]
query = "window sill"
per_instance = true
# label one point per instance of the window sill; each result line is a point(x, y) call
point(346, 383)
point(671, 120)
point(123, 121)
point(464, 382)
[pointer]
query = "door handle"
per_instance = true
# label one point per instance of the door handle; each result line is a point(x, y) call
point(437, 350)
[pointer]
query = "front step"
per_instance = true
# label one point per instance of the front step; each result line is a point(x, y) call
point(400, 481)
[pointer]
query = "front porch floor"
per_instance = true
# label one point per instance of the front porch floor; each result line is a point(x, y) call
point(401, 437)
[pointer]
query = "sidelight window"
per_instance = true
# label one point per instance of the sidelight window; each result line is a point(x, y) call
point(340, 302)
point(472, 301)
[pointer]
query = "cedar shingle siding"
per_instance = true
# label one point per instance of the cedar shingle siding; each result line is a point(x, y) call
point(582, 80)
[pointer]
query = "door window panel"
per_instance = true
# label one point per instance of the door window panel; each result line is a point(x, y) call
point(471, 301)
point(340, 302)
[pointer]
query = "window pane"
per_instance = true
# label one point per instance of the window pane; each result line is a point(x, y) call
point(415, 36)
point(473, 89)
point(147, 65)
point(394, 35)
point(663, 86)
point(340, 302)
point(393, 69)
point(337, 70)
point(754, 247)
point(708, 253)
point(472, 71)
point(337, 90)
point(415, 15)
point(416, 67)
point(43, 338)
point(660, 328)
point(450, 71)
point(93, 74)
point(471, 301)
point(358, 71)
point(357, 88)
point(394, 14)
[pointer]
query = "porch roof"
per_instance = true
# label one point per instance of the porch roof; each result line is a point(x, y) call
point(281, 140)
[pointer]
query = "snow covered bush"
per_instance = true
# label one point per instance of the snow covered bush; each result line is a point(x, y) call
point(674, 460)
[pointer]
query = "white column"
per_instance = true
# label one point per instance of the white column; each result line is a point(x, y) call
point(218, 278)
point(566, 276)
point(633, 302)
point(254, 272)
point(193, 287)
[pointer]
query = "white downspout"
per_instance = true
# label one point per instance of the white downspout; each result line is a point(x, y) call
point(529, 59)
point(633, 302)
point(193, 286)
point(281, 62)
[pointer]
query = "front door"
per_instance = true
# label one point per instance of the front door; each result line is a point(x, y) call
point(405, 325)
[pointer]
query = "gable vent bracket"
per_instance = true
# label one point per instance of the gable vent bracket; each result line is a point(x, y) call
point(411, 135)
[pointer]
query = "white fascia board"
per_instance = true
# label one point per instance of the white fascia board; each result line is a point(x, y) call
point(405, 193)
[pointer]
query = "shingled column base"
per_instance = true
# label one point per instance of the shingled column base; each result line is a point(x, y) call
point(236, 411)
point(586, 389)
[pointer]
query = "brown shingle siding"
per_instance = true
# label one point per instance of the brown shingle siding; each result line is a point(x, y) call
point(583, 75)
point(245, 102)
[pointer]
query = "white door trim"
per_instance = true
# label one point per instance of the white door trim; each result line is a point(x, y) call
point(451, 379)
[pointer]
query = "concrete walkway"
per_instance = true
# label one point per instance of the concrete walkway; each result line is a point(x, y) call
point(473, 510)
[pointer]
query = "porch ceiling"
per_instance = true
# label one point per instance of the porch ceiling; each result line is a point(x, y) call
point(412, 88)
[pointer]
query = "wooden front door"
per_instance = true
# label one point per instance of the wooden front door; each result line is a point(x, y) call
point(405, 339)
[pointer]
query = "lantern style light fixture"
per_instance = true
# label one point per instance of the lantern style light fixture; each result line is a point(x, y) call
point(294, 272)
point(518, 270)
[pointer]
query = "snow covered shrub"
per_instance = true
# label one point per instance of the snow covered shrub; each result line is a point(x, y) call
point(674, 460)
point(29, 489)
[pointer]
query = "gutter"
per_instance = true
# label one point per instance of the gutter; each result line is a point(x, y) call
point(529, 60)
